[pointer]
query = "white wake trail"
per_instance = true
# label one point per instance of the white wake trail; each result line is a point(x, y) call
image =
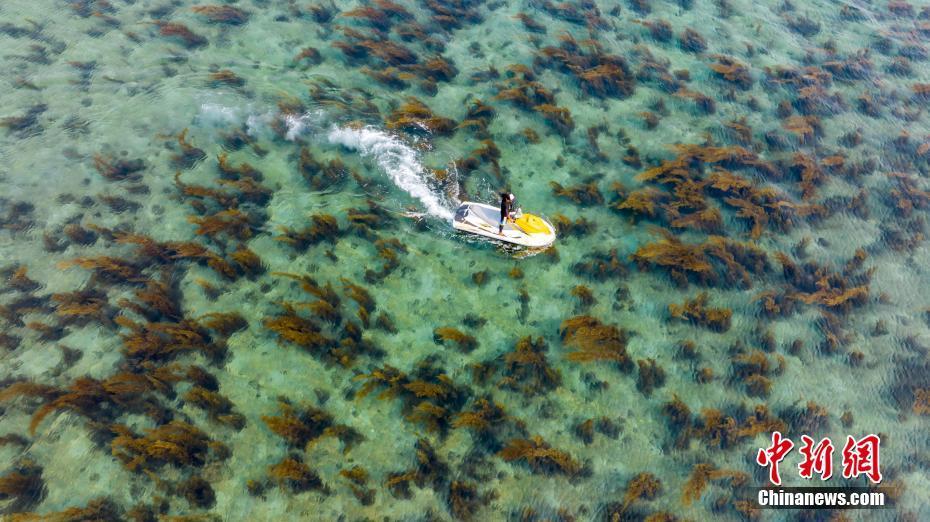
point(397, 159)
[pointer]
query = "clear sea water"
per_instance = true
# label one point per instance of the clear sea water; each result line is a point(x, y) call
point(112, 80)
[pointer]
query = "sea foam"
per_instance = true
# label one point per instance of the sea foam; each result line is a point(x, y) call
point(398, 160)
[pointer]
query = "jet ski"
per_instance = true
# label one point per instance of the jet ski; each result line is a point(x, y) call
point(525, 229)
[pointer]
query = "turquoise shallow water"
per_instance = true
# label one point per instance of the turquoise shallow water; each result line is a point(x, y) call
point(334, 142)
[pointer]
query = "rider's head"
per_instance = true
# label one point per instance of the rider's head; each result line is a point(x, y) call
point(512, 197)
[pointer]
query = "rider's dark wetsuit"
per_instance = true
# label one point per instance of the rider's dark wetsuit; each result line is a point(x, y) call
point(507, 205)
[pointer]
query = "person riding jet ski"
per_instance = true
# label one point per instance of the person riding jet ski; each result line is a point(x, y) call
point(508, 204)
point(523, 229)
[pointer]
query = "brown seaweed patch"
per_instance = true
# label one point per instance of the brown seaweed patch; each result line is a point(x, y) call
point(595, 341)
point(802, 25)
point(526, 369)
point(643, 486)
point(416, 117)
point(462, 341)
point(389, 250)
point(601, 266)
point(308, 56)
point(484, 417)
point(707, 262)
point(435, 69)
point(754, 369)
point(294, 475)
point(376, 18)
point(108, 269)
point(906, 195)
point(219, 407)
point(540, 456)
point(323, 227)
point(692, 41)
point(585, 194)
point(598, 74)
point(640, 203)
point(320, 175)
point(304, 426)
point(696, 311)
point(520, 89)
point(584, 295)
point(27, 124)
point(365, 221)
point(182, 34)
point(197, 492)
point(115, 169)
point(118, 204)
point(95, 399)
point(429, 470)
point(22, 486)
point(703, 473)
point(805, 128)
point(99, 509)
point(17, 280)
point(578, 228)
point(834, 291)
point(530, 23)
point(158, 300)
point(358, 479)
point(464, 500)
point(559, 118)
point(812, 418)
point(429, 396)
point(198, 195)
point(189, 154)
point(921, 404)
point(650, 119)
point(225, 77)
point(453, 15)
point(14, 311)
point(82, 306)
point(16, 216)
point(9, 342)
point(717, 429)
point(732, 71)
point(233, 223)
point(164, 340)
point(583, 13)
point(325, 334)
point(176, 443)
point(222, 14)
point(79, 235)
point(390, 76)
point(305, 333)
point(705, 103)
point(650, 376)
point(247, 261)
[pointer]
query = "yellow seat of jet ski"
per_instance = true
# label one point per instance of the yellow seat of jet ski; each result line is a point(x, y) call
point(531, 224)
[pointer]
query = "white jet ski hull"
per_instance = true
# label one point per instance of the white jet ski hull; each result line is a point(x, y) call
point(483, 220)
